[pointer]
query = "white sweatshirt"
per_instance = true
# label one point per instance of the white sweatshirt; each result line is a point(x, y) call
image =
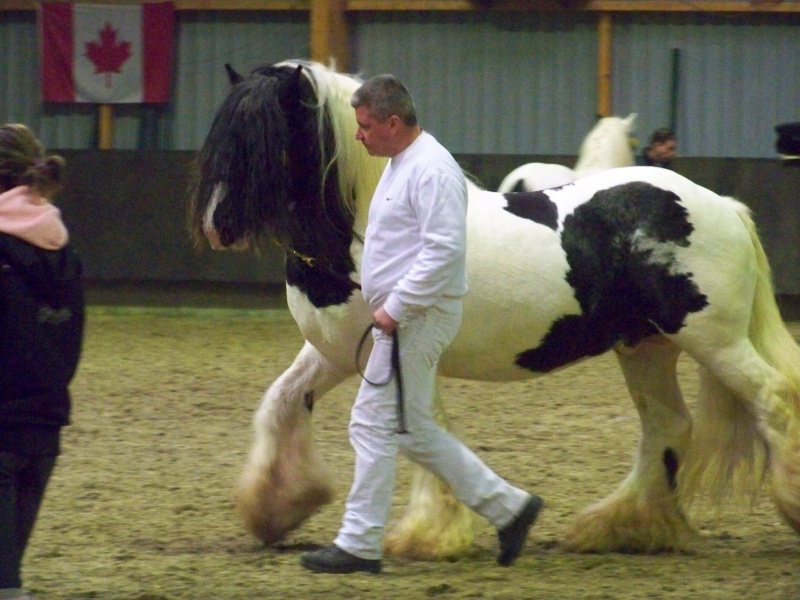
point(416, 239)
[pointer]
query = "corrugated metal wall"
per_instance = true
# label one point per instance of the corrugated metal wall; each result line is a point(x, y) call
point(205, 42)
point(57, 126)
point(485, 83)
point(739, 77)
point(496, 83)
point(209, 40)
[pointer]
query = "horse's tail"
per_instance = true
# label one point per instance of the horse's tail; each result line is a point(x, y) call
point(776, 345)
point(768, 332)
point(742, 435)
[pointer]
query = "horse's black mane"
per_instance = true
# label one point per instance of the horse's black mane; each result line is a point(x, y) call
point(265, 146)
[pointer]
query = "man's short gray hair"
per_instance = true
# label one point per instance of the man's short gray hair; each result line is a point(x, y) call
point(384, 96)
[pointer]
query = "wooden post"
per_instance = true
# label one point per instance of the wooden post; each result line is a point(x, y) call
point(105, 127)
point(329, 33)
point(604, 64)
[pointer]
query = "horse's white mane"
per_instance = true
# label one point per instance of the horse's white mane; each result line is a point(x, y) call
point(606, 146)
point(358, 172)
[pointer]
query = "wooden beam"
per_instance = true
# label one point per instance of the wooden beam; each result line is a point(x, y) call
point(697, 6)
point(605, 46)
point(460, 5)
point(700, 6)
point(328, 25)
point(105, 127)
point(241, 4)
point(184, 4)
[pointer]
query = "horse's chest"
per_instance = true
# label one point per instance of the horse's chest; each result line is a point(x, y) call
point(334, 330)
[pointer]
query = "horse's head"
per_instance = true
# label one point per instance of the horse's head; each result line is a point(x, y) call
point(612, 133)
point(608, 145)
point(264, 169)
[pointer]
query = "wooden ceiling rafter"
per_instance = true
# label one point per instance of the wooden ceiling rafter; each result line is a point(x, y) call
point(698, 6)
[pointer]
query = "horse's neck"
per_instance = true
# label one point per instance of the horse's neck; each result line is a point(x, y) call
point(370, 174)
point(600, 155)
point(362, 173)
point(358, 172)
point(586, 170)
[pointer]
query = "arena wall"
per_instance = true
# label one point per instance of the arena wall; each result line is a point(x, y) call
point(126, 212)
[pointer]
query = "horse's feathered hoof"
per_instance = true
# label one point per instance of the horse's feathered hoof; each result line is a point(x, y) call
point(270, 512)
point(629, 527)
point(435, 525)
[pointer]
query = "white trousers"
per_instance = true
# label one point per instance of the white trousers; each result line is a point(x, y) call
point(373, 435)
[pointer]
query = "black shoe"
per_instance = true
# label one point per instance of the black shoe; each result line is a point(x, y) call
point(335, 560)
point(513, 536)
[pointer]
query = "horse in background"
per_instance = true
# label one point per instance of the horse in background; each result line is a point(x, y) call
point(607, 146)
point(639, 261)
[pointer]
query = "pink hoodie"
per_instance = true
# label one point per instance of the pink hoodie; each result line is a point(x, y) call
point(31, 218)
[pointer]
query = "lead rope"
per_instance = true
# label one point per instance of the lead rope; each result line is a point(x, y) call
point(396, 373)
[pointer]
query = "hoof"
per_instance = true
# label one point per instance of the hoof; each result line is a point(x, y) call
point(270, 513)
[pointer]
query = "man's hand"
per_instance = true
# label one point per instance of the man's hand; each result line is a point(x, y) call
point(382, 320)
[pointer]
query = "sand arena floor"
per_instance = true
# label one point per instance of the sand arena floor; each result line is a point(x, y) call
point(140, 508)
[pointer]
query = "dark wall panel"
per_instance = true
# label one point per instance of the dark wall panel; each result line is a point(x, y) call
point(126, 214)
point(771, 189)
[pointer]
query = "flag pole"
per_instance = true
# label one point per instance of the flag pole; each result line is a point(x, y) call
point(105, 128)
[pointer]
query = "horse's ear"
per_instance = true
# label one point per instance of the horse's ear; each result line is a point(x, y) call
point(233, 76)
point(630, 120)
point(289, 91)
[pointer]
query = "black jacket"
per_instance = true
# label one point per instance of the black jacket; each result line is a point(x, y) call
point(41, 333)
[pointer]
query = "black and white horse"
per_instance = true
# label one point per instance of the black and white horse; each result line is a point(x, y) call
point(636, 260)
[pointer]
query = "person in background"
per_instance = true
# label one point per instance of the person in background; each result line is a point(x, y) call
point(413, 279)
point(41, 332)
point(660, 151)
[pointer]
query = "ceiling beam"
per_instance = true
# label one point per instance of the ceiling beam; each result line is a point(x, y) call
point(696, 6)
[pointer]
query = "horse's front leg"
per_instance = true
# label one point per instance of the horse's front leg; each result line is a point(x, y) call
point(644, 513)
point(284, 480)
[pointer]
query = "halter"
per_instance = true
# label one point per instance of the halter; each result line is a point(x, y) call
point(313, 262)
point(309, 260)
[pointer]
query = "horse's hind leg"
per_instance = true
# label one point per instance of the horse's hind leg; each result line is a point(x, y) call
point(643, 514)
point(284, 481)
point(771, 397)
point(435, 525)
point(728, 452)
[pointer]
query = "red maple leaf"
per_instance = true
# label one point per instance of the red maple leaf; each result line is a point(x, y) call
point(108, 56)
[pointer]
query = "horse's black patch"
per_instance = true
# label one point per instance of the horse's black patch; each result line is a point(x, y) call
point(625, 293)
point(323, 284)
point(519, 186)
point(308, 400)
point(536, 206)
point(670, 460)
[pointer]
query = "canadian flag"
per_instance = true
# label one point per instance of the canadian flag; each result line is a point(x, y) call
point(106, 54)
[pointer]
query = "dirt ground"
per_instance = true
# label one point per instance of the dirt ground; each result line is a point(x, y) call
point(140, 508)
